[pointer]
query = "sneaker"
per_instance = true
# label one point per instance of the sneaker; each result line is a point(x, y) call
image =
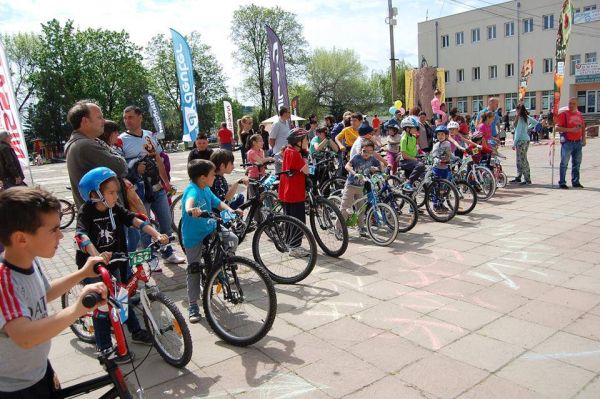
point(363, 232)
point(299, 252)
point(142, 337)
point(194, 313)
point(173, 258)
point(154, 265)
point(563, 186)
point(577, 185)
point(408, 186)
point(515, 180)
point(128, 358)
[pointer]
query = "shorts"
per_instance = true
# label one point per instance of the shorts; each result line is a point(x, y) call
point(46, 388)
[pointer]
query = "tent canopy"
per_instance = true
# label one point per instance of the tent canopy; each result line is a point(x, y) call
point(275, 118)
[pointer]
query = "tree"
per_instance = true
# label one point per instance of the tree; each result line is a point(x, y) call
point(384, 81)
point(248, 31)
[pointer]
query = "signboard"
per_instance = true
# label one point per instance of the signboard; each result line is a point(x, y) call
point(586, 16)
point(587, 72)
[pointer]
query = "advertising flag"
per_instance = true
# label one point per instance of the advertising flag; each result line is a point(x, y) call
point(278, 75)
point(9, 115)
point(159, 126)
point(295, 107)
point(228, 115)
point(562, 40)
point(183, 64)
point(526, 71)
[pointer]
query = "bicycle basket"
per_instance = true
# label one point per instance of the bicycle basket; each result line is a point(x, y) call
point(140, 257)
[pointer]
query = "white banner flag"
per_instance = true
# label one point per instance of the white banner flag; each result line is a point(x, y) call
point(9, 115)
point(228, 115)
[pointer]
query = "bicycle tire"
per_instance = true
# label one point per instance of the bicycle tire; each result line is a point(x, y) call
point(326, 219)
point(407, 211)
point(388, 222)
point(485, 184)
point(502, 180)
point(175, 209)
point(211, 301)
point(83, 327)
point(273, 233)
point(67, 213)
point(435, 188)
point(462, 188)
point(170, 326)
point(332, 187)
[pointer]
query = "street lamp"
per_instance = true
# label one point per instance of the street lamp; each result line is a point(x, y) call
point(391, 21)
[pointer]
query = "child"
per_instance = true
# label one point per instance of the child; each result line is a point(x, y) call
point(256, 154)
point(366, 132)
point(408, 148)
point(101, 223)
point(319, 146)
point(393, 147)
point(30, 227)
point(359, 164)
point(442, 152)
point(292, 189)
point(485, 127)
point(223, 160)
point(197, 198)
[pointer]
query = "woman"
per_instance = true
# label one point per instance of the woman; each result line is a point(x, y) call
point(521, 144)
point(244, 132)
point(265, 136)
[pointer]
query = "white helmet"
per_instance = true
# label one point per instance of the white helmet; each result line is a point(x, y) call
point(409, 121)
point(453, 125)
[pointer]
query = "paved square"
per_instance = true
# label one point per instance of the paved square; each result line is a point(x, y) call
point(502, 303)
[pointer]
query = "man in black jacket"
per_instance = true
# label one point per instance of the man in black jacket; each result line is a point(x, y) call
point(11, 173)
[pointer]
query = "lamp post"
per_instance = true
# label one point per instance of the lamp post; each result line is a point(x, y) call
point(391, 21)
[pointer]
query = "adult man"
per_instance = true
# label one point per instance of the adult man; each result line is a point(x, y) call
point(572, 128)
point(84, 151)
point(201, 150)
point(11, 173)
point(376, 122)
point(425, 139)
point(225, 137)
point(143, 156)
point(278, 136)
point(492, 107)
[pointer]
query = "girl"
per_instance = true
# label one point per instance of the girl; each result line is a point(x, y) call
point(521, 143)
point(485, 128)
point(244, 132)
point(256, 154)
point(393, 146)
point(436, 106)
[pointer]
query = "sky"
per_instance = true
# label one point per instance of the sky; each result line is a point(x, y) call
point(355, 24)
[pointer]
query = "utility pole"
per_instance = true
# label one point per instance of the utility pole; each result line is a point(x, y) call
point(392, 12)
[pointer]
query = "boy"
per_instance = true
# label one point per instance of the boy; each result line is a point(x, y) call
point(197, 198)
point(365, 132)
point(201, 150)
point(442, 153)
point(101, 223)
point(408, 148)
point(30, 227)
point(223, 160)
point(353, 190)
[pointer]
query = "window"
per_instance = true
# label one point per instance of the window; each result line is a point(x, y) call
point(590, 57)
point(548, 21)
point(529, 101)
point(446, 76)
point(491, 32)
point(445, 41)
point(476, 73)
point(589, 8)
point(509, 29)
point(477, 103)
point(460, 38)
point(460, 75)
point(510, 70)
point(528, 25)
point(576, 10)
point(575, 59)
point(461, 104)
point(510, 101)
point(548, 66)
point(547, 100)
point(449, 103)
point(588, 101)
point(475, 35)
point(493, 71)
point(581, 101)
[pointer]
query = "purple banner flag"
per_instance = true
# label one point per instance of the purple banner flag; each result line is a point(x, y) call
point(278, 76)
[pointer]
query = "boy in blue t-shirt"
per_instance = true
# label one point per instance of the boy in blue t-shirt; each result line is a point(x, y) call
point(197, 197)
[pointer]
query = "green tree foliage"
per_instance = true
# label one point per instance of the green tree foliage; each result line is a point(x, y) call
point(383, 80)
point(248, 32)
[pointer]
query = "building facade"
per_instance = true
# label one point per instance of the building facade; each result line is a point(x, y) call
point(482, 52)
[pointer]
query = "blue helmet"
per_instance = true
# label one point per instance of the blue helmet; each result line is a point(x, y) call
point(92, 181)
point(441, 128)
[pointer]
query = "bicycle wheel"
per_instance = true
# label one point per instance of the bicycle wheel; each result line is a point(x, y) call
point(175, 211)
point(484, 182)
point(328, 227)
point(467, 197)
point(239, 301)
point(441, 200)
point(83, 327)
point(406, 210)
point(171, 334)
point(395, 182)
point(333, 186)
point(67, 213)
point(502, 180)
point(382, 224)
point(286, 248)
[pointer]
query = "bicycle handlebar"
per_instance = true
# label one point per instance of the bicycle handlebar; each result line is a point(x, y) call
point(91, 299)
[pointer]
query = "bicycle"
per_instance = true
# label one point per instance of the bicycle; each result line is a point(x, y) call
point(381, 219)
point(67, 213)
point(499, 175)
point(405, 207)
point(162, 318)
point(238, 295)
point(478, 176)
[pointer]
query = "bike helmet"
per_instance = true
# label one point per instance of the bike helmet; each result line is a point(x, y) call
point(297, 135)
point(409, 121)
point(477, 136)
point(441, 128)
point(92, 181)
point(453, 125)
point(365, 129)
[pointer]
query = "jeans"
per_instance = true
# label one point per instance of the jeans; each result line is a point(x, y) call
point(227, 146)
point(415, 168)
point(441, 173)
point(570, 149)
point(162, 212)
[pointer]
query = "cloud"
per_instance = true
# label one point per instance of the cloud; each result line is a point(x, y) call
point(334, 23)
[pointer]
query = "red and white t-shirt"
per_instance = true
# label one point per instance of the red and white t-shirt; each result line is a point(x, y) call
point(570, 119)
